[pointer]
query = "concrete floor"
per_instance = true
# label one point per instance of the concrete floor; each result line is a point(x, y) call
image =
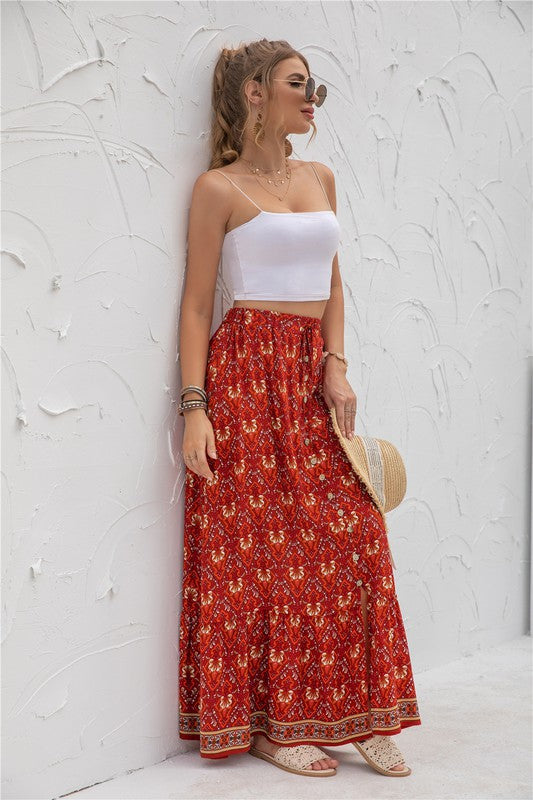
point(475, 742)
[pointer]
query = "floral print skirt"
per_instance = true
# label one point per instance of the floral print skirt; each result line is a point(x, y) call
point(289, 625)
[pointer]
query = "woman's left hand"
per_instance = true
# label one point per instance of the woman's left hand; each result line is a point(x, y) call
point(338, 392)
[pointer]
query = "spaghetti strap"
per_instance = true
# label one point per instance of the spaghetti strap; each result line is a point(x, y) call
point(238, 187)
point(320, 182)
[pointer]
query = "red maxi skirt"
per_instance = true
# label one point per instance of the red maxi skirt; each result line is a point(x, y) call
point(274, 635)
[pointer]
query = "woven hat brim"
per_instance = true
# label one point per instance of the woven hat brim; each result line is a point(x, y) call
point(394, 474)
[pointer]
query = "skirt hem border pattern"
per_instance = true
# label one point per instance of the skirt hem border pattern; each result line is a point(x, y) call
point(231, 741)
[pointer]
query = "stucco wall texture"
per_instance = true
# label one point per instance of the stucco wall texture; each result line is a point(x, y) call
point(106, 110)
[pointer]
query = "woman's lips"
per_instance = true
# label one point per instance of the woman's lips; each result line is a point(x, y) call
point(308, 114)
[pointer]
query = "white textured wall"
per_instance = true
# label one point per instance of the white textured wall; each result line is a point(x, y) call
point(427, 127)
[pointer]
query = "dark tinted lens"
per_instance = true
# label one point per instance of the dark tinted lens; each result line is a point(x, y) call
point(309, 88)
point(322, 94)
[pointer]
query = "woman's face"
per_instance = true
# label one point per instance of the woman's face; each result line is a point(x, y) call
point(288, 101)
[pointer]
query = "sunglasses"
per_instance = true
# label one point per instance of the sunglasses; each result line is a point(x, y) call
point(321, 92)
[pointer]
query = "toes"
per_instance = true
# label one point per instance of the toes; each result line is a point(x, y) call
point(323, 763)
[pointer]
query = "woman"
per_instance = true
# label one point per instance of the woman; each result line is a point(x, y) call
point(290, 631)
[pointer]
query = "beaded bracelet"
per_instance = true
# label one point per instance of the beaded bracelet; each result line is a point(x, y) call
point(186, 404)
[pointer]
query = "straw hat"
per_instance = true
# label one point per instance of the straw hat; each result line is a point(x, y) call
point(379, 466)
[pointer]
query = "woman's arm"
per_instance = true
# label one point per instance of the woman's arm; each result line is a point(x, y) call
point(208, 215)
point(332, 323)
point(336, 389)
point(207, 220)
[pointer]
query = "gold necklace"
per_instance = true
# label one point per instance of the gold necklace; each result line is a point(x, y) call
point(255, 170)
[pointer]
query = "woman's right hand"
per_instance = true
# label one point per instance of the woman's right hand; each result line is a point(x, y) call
point(198, 438)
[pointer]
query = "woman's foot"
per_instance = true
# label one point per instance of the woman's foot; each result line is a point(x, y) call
point(260, 742)
point(399, 767)
point(379, 751)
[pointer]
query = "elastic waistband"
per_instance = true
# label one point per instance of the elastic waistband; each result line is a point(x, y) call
point(272, 317)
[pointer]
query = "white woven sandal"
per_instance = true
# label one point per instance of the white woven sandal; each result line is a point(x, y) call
point(294, 759)
point(382, 753)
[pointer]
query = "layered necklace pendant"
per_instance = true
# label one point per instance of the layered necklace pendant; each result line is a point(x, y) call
point(258, 172)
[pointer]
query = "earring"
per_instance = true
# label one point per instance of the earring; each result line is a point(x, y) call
point(257, 130)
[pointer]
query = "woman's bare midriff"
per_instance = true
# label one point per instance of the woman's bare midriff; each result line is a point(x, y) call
point(310, 308)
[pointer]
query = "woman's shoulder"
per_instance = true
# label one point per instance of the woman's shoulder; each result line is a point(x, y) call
point(223, 168)
point(322, 169)
point(211, 190)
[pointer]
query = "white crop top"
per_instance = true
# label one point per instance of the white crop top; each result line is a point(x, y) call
point(280, 255)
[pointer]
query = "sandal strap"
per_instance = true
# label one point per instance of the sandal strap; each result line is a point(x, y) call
point(298, 757)
point(383, 750)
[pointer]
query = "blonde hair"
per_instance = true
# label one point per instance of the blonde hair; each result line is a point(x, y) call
point(231, 110)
